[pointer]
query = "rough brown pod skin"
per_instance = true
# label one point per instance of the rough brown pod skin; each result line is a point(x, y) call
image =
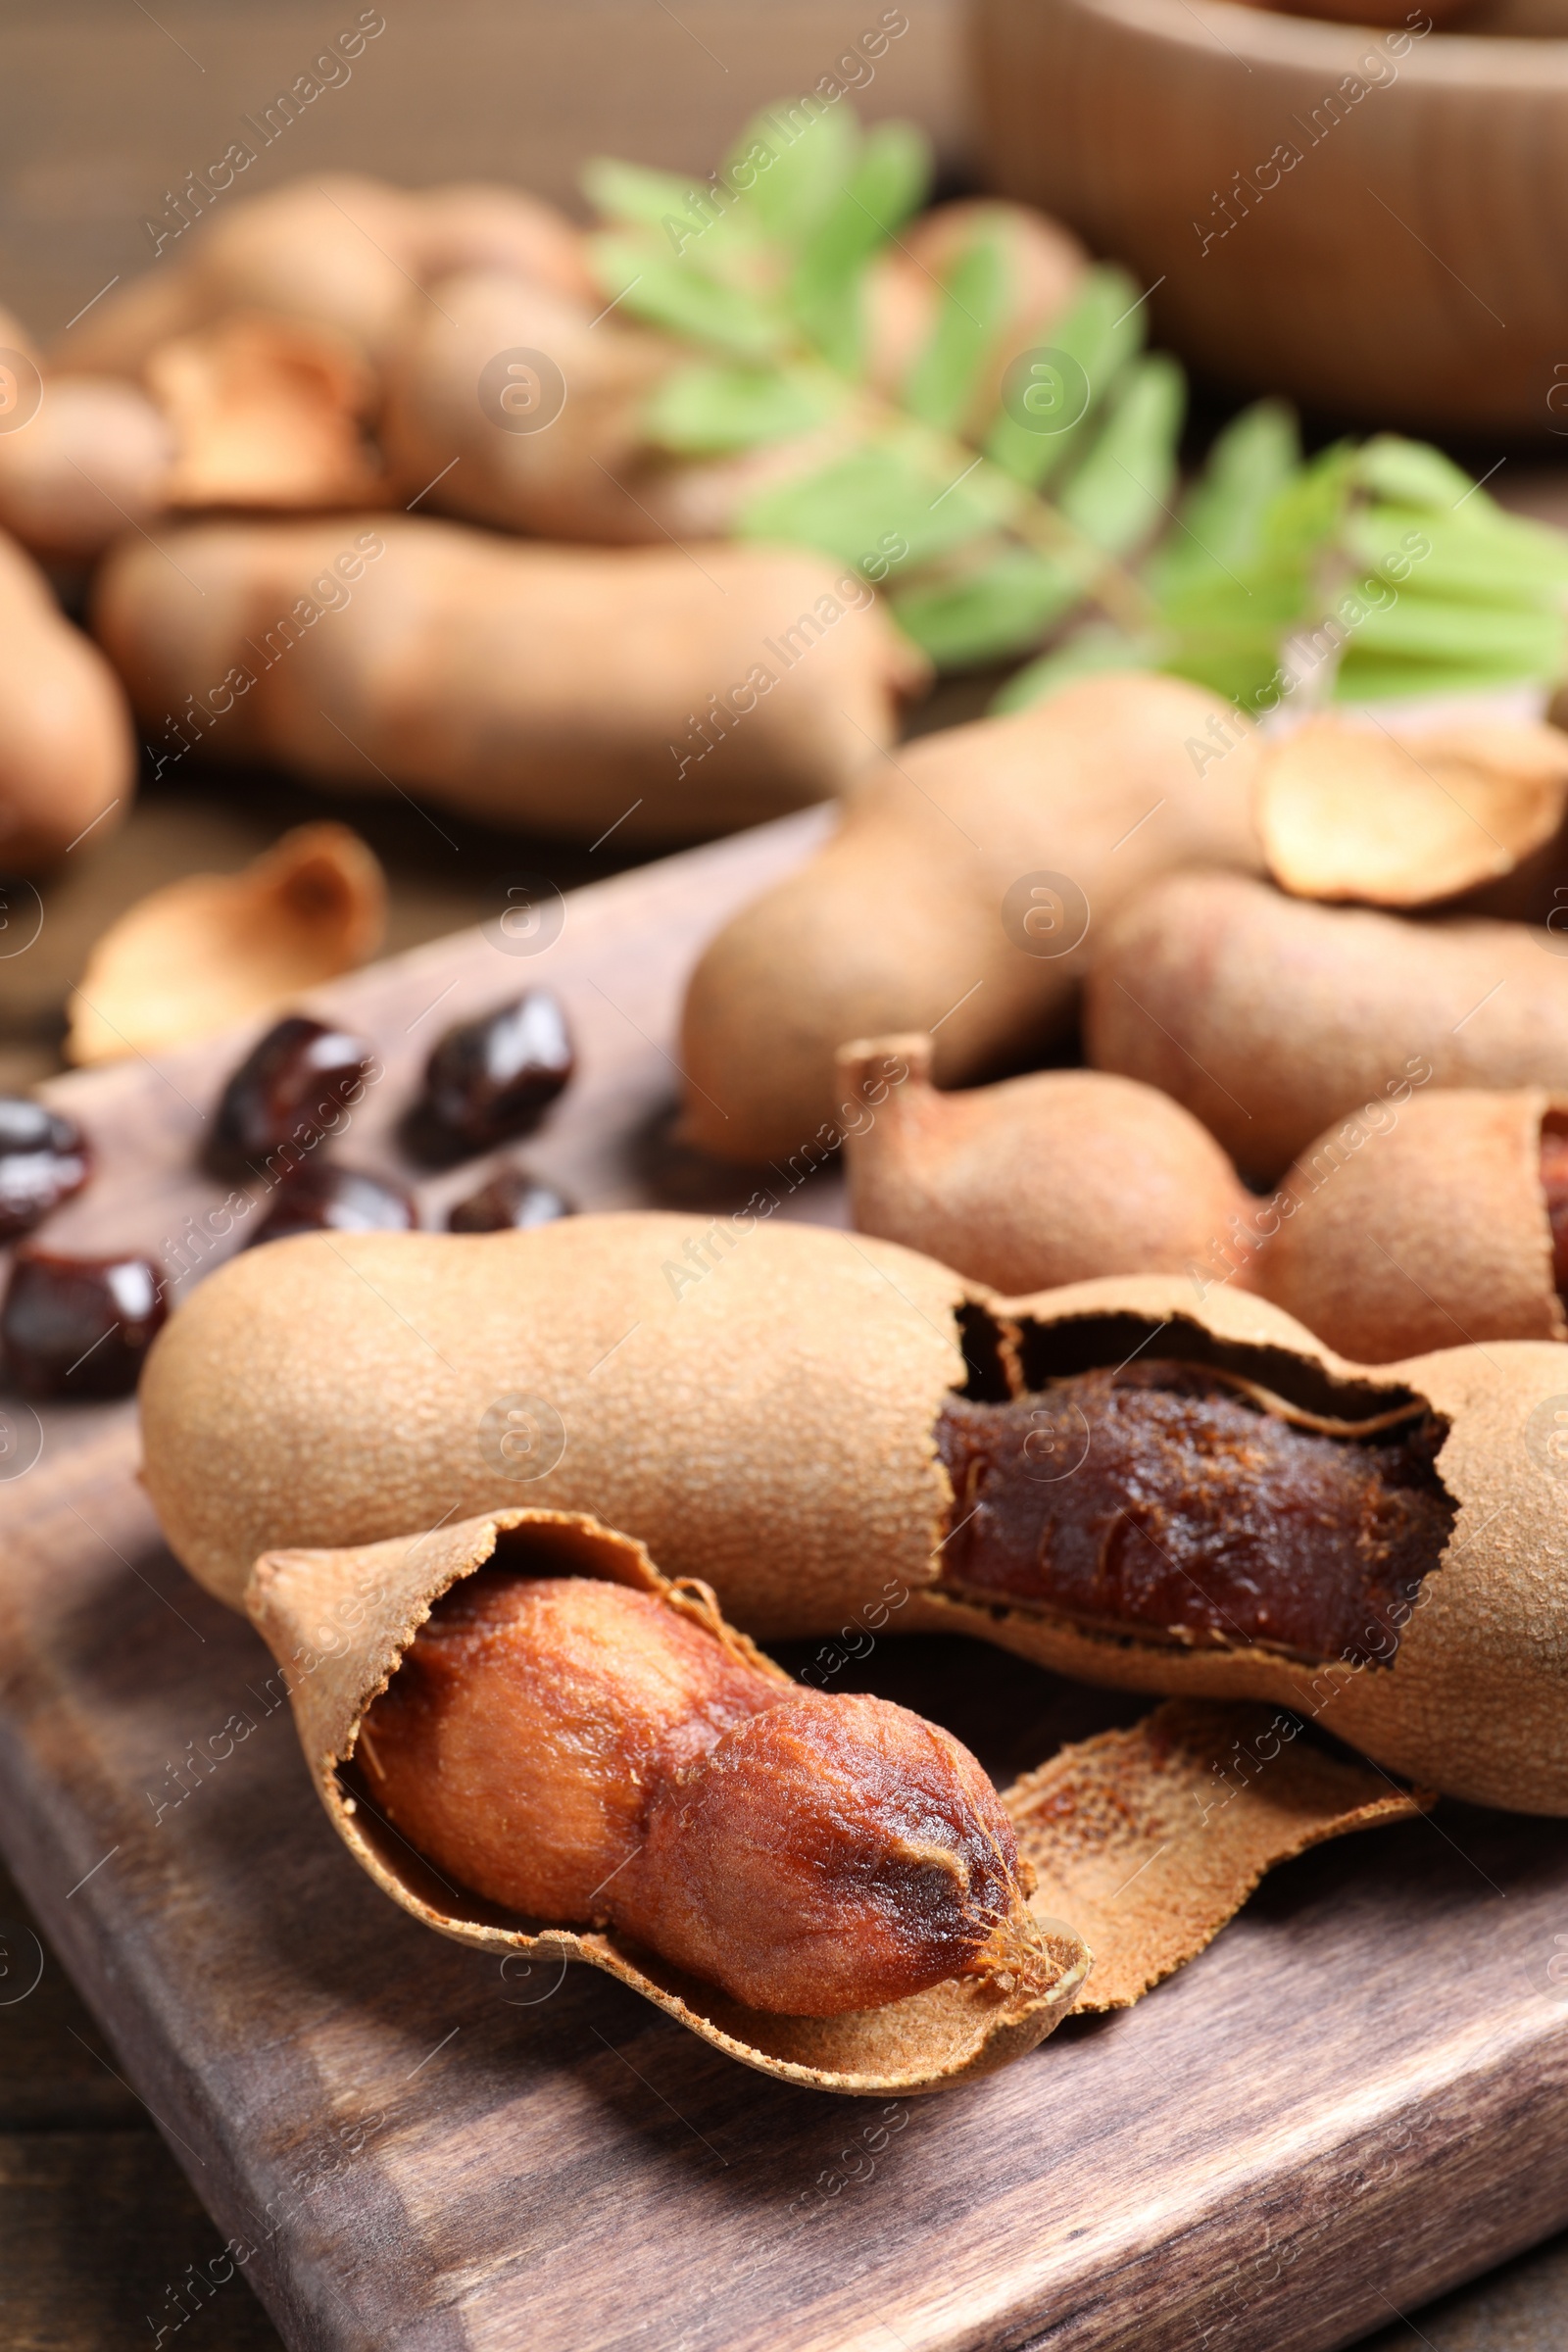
point(903, 920)
point(340, 1622)
point(475, 668)
point(1270, 1017)
point(336, 249)
point(1429, 1232)
point(761, 1402)
point(67, 751)
point(1056, 1177)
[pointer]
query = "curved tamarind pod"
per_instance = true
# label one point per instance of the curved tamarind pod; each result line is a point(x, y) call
point(527, 685)
point(962, 894)
point(94, 458)
point(1270, 1017)
point(67, 752)
point(1051, 1178)
point(765, 1402)
point(555, 1755)
point(1424, 1227)
point(339, 251)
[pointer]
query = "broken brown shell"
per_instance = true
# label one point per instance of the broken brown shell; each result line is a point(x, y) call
point(1041, 1180)
point(339, 1621)
point(962, 894)
point(1424, 1227)
point(204, 952)
point(265, 411)
point(373, 651)
point(1151, 1839)
point(68, 755)
point(1270, 1018)
point(1406, 821)
point(761, 1401)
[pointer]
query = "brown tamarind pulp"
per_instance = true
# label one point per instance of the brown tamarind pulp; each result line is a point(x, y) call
point(1555, 1184)
point(1170, 1500)
point(589, 1756)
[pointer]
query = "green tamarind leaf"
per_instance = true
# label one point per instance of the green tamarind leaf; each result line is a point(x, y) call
point(707, 410)
point(1089, 652)
point(945, 376)
point(826, 292)
point(1126, 483)
point(863, 501)
point(987, 614)
point(791, 162)
point(684, 301)
point(1102, 333)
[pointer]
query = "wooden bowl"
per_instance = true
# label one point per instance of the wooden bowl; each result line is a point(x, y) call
point(1406, 269)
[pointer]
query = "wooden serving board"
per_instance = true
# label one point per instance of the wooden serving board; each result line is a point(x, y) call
point(1358, 2096)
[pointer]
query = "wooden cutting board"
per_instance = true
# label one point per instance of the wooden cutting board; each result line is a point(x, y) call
point(1358, 2096)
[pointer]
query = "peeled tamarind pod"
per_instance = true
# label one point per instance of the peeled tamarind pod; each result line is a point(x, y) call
point(67, 752)
point(824, 1887)
point(962, 895)
point(1051, 1178)
point(809, 1420)
point(551, 687)
point(1271, 1018)
point(1440, 1222)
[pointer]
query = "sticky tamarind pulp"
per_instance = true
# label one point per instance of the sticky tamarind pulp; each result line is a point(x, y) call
point(588, 1755)
point(1160, 1497)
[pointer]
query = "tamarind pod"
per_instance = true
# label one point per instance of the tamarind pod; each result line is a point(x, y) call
point(339, 1622)
point(1425, 1232)
point(962, 894)
point(1270, 1017)
point(92, 459)
point(339, 250)
point(67, 752)
point(1041, 1180)
point(761, 1402)
point(590, 474)
point(544, 686)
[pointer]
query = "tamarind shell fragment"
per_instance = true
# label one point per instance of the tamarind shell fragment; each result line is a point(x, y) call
point(1427, 1233)
point(761, 1400)
point(961, 895)
point(1051, 1178)
point(339, 1623)
point(1270, 1017)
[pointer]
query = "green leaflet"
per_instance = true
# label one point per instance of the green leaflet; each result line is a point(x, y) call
point(684, 301)
point(644, 199)
point(1103, 333)
point(940, 386)
point(887, 183)
point(1126, 483)
point(1220, 523)
point(709, 409)
point(791, 162)
point(1003, 609)
point(850, 507)
point(1088, 653)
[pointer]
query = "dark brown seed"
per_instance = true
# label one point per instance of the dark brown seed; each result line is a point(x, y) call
point(44, 1159)
point(322, 1198)
point(290, 1089)
point(509, 1204)
point(493, 1079)
point(79, 1326)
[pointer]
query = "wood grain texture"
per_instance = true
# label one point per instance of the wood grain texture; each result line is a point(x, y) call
point(1364, 227)
point(105, 109)
point(1353, 2100)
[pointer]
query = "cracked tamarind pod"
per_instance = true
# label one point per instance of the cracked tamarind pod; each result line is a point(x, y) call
point(532, 1739)
point(1425, 1225)
point(763, 1402)
point(585, 1754)
point(1270, 1017)
point(1051, 1178)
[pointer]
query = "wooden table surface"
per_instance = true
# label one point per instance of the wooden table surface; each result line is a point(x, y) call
point(103, 105)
